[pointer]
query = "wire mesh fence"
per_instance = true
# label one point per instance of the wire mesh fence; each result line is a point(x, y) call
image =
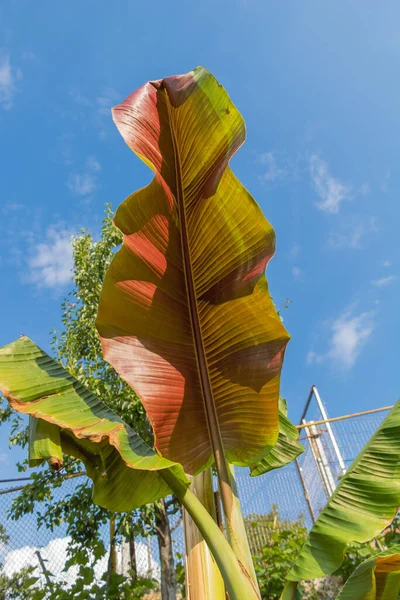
point(25, 544)
point(330, 448)
point(298, 491)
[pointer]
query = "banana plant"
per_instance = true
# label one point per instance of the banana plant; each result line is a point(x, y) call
point(364, 503)
point(375, 579)
point(185, 317)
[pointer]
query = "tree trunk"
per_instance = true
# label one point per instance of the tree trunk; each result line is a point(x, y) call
point(132, 550)
point(168, 576)
point(112, 558)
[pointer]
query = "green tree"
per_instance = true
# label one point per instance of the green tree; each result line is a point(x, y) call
point(77, 347)
point(22, 585)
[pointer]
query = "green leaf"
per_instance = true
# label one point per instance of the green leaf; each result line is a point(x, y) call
point(67, 417)
point(44, 443)
point(290, 591)
point(364, 503)
point(287, 447)
point(375, 579)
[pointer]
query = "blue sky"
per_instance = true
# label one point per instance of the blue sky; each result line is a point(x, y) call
point(318, 86)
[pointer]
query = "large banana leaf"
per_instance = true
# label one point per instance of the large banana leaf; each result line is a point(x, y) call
point(364, 503)
point(377, 578)
point(287, 447)
point(66, 417)
point(185, 314)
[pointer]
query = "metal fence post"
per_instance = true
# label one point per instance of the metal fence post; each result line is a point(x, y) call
point(329, 430)
point(305, 491)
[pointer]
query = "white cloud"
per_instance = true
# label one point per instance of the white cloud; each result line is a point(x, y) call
point(384, 281)
point(51, 262)
point(331, 191)
point(54, 556)
point(297, 273)
point(8, 82)
point(99, 107)
point(272, 171)
point(76, 95)
point(352, 234)
point(294, 251)
point(312, 357)
point(85, 183)
point(107, 99)
point(93, 164)
point(387, 263)
point(12, 207)
point(104, 102)
point(385, 182)
point(81, 184)
point(364, 189)
point(349, 334)
point(28, 55)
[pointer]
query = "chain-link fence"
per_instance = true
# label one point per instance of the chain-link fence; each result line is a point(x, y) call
point(45, 549)
point(330, 448)
point(299, 490)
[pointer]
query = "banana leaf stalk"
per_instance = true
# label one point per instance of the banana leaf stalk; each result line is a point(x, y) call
point(203, 578)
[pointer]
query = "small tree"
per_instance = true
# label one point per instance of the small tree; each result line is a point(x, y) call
point(21, 585)
point(77, 347)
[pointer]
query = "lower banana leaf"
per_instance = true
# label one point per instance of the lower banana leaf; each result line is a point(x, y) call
point(291, 591)
point(286, 449)
point(377, 578)
point(364, 503)
point(65, 417)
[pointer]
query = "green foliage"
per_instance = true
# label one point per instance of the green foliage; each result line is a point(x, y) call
point(284, 542)
point(116, 587)
point(180, 575)
point(77, 347)
point(357, 553)
point(22, 585)
point(276, 557)
point(260, 528)
point(3, 535)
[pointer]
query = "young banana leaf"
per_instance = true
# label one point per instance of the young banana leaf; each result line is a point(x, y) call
point(364, 503)
point(287, 447)
point(377, 578)
point(65, 417)
point(185, 314)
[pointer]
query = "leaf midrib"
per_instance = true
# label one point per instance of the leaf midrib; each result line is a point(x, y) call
point(201, 360)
